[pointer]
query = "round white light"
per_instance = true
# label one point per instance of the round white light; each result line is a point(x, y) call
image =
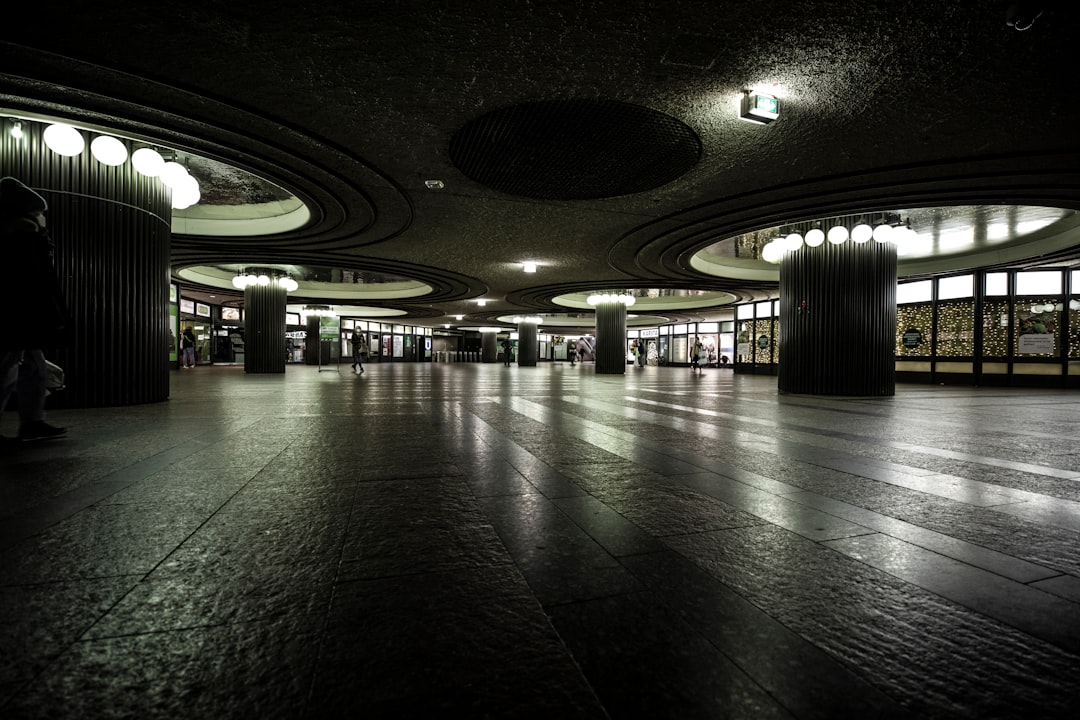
point(185, 192)
point(1048, 307)
point(838, 234)
point(108, 150)
point(147, 161)
point(251, 279)
point(64, 139)
point(264, 280)
point(793, 242)
point(172, 173)
point(882, 233)
point(290, 285)
point(862, 233)
point(1074, 304)
point(772, 252)
point(814, 237)
point(239, 282)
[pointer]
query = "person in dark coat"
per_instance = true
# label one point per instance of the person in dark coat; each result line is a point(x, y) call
point(34, 310)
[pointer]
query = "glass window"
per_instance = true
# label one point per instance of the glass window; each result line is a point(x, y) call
point(951, 288)
point(746, 312)
point(727, 326)
point(1044, 282)
point(709, 327)
point(679, 330)
point(997, 283)
point(1076, 282)
point(633, 334)
point(764, 309)
point(921, 291)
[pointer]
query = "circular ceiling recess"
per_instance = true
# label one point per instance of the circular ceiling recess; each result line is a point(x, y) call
point(574, 149)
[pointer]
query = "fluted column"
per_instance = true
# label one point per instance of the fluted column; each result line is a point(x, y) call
point(489, 346)
point(611, 338)
point(838, 320)
point(312, 341)
point(112, 232)
point(264, 328)
point(527, 344)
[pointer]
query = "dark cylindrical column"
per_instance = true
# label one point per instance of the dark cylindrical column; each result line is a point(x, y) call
point(489, 347)
point(838, 320)
point(527, 344)
point(611, 338)
point(264, 328)
point(112, 231)
point(312, 343)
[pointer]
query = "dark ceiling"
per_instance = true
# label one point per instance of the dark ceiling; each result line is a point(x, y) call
point(355, 106)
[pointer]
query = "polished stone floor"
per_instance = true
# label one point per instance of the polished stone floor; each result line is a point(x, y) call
point(480, 541)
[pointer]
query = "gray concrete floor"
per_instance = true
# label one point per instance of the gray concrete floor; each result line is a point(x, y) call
point(480, 541)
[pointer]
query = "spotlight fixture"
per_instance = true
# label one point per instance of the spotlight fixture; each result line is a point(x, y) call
point(434, 184)
point(529, 267)
point(481, 302)
point(758, 108)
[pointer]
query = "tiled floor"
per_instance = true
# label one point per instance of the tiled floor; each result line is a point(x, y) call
point(466, 540)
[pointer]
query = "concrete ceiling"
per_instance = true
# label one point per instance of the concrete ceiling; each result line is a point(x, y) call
point(352, 108)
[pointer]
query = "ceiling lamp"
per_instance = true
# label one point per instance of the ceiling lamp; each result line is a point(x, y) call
point(838, 234)
point(16, 130)
point(64, 140)
point(862, 233)
point(239, 282)
point(793, 242)
point(481, 302)
point(185, 192)
point(759, 108)
point(147, 161)
point(883, 232)
point(264, 280)
point(108, 150)
point(814, 237)
point(172, 173)
point(772, 252)
point(531, 319)
point(288, 283)
point(529, 267)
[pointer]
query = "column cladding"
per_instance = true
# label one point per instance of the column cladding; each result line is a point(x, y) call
point(838, 320)
point(264, 328)
point(611, 338)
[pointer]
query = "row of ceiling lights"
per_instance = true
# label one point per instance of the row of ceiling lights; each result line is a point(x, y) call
point(899, 235)
point(245, 280)
point(68, 141)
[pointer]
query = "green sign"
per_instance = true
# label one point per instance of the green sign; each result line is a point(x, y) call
point(912, 338)
point(763, 341)
point(328, 327)
point(766, 103)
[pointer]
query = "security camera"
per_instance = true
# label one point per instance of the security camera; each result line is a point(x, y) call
point(1023, 15)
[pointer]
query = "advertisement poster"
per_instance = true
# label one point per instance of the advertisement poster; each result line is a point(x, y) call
point(328, 327)
point(173, 332)
point(1037, 332)
point(399, 346)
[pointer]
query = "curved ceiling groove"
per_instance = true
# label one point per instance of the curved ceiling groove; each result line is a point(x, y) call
point(669, 242)
point(345, 215)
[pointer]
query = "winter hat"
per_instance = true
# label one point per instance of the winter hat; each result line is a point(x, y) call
point(17, 200)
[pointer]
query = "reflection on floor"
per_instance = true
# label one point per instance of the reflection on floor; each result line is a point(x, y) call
point(472, 540)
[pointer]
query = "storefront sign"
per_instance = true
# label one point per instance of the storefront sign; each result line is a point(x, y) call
point(763, 341)
point(913, 338)
point(1036, 344)
point(328, 327)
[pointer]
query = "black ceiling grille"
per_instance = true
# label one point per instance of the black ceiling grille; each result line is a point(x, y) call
point(574, 149)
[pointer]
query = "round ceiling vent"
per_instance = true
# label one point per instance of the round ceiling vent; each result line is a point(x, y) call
point(574, 149)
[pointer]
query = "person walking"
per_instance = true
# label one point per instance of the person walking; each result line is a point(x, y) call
point(359, 350)
point(696, 353)
point(187, 347)
point(507, 346)
point(27, 280)
point(571, 352)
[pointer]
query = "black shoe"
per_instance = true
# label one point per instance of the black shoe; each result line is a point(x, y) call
point(40, 430)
